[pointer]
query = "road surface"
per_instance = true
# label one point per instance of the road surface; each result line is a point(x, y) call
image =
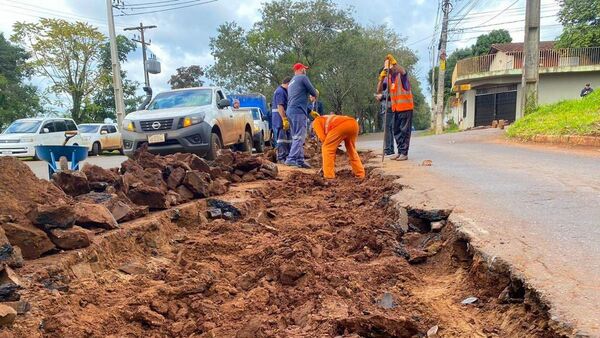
point(536, 206)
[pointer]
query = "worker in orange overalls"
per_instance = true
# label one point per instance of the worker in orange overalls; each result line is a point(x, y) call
point(331, 131)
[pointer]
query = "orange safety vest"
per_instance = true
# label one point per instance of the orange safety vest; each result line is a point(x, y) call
point(402, 100)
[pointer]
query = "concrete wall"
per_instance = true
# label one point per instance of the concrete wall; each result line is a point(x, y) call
point(502, 61)
point(563, 86)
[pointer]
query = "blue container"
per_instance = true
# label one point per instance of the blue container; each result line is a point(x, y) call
point(52, 154)
point(252, 100)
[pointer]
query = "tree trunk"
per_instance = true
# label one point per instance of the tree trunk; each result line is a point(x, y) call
point(76, 110)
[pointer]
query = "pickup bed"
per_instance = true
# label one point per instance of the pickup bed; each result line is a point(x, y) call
point(196, 120)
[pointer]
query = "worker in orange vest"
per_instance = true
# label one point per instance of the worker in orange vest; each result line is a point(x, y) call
point(331, 131)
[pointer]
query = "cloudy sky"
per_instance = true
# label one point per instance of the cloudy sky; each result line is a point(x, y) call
point(182, 36)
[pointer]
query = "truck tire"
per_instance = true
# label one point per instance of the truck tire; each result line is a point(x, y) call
point(95, 149)
point(215, 146)
point(246, 147)
point(260, 145)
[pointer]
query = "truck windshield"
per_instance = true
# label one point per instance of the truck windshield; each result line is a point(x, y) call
point(184, 98)
point(88, 128)
point(23, 127)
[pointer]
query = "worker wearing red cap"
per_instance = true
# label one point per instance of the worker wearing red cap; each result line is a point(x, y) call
point(331, 131)
point(298, 91)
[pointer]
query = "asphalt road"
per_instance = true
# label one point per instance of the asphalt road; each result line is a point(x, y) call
point(536, 206)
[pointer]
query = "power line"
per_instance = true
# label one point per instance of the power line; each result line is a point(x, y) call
point(149, 6)
point(152, 3)
point(169, 9)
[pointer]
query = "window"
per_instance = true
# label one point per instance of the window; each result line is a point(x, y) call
point(88, 128)
point(112, 129)
point(50, 127)
point(220, 95)
point(256, 115)
point(71, 126)
point(104, 129)
point(182, 98)
point(26, 127)
point(60, 125)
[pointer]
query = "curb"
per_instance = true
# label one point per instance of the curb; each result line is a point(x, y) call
point(576, 140)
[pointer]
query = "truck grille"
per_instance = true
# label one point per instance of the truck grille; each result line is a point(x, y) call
point(9, 141)
point(154, 125)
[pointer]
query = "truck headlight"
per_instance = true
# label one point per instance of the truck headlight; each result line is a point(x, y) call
point(190, 121)
point(128, 125)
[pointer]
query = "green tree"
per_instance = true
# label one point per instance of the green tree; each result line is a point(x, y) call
point(17, 100)
point(581, 23)
point(485, 41)
point(343, 56)
point(65, 53)
point(101, 105)
point(187, 77)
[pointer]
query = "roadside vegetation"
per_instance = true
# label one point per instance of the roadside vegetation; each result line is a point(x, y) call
point(568, 117)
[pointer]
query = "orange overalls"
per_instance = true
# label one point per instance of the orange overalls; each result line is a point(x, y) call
point(332, 130)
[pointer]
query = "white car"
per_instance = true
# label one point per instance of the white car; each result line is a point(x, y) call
point(21, 137)
point(99, 137)
point(262, 134)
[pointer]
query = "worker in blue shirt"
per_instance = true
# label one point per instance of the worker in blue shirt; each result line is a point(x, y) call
point(315, 105)
point(298, 91)
point(280, 122)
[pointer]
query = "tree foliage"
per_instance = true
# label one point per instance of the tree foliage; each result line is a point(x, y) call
point(65, 53)
point(17, 99)
point(581, 23)
point(344, 57)
point(187, 77)
point(101, 104)
point(485, 41)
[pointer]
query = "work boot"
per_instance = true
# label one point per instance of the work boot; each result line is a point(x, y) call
point(392, 156)
point(401, 158)
point(304, 165)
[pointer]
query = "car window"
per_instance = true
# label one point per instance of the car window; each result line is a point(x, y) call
point(104, 128)
point(50, 126)
point(112, 129)
point(60, 125)
point(256, 114)
point(18, 127)
point(88, 128)
point(184, 98)
point(220, 95)
point(71, 126)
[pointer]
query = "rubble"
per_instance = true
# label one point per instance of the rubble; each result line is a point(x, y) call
point(69, 239)
point(94, 216)
point(32, 241)
point(72, 182)
point(7, 315)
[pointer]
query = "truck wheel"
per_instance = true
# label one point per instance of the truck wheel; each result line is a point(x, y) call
point(215, 146)
point(246, 147)
point(95, 149)
point(260, 145)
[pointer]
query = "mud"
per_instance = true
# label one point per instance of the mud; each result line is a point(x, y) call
point(306, 258)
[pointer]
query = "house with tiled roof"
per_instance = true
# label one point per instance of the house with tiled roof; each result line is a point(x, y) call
point(488, 87)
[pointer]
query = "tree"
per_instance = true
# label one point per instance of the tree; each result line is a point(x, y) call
point(485, 41)
point(581, 23)
point(65, 53)
point(187, 77)
point(102, 103)
point(344, 57)
point(17, 100)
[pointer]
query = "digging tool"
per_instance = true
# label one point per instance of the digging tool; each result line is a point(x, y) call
point(387, 106)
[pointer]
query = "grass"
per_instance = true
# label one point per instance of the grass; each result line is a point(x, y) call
point(570, 117)
point(450, 128)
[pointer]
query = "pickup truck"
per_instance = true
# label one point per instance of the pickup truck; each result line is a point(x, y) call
point(196, 120)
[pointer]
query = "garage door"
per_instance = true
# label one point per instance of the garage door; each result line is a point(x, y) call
point(497, 106)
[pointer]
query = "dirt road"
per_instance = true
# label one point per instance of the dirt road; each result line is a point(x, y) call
point(535, 206)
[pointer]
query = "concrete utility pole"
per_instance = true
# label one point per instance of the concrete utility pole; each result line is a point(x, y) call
point(433, 107)
point(439, 113)
point(529, 81)
point(142, 41)
point(116, 67)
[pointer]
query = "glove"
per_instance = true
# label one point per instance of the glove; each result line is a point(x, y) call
point(314, 114)
point(391, 58)
point(382, 75)
point(286, 124)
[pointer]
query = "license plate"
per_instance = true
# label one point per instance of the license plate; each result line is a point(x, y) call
point(156, 138)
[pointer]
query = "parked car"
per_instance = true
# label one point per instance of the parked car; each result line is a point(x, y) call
point(99, 137)
point(255, 100)
point(262, 133)
point(197, 120)
point(21, 137)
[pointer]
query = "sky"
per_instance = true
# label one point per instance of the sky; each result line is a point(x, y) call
point(182, 36)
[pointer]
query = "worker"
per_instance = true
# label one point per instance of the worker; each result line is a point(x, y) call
point(236, 104)
point(280, 122)
point(331, 131)
point(298, 91)
point(586, 90)
point(402, 105)
point(315, 105)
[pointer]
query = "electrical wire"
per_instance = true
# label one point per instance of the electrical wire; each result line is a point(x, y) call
point(168, 9)
point(147, 6)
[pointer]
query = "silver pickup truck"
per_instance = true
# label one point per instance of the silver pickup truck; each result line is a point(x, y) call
point(195, 120)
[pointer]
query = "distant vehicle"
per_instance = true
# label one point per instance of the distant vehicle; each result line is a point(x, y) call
point(99, 137)
point(262, 133)
point(21, 137)
point(197, 120)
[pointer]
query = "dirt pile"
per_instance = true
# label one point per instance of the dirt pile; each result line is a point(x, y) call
point(305, 258)
point(312, 154)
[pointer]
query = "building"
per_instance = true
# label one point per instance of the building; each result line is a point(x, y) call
point(488, 87)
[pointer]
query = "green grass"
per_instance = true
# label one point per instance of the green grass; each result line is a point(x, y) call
point(570, 117)
point(450, 128)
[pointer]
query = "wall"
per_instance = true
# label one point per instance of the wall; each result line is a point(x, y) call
point(502, 61)
point(563, 86)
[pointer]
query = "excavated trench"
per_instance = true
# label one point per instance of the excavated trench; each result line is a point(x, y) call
point(302, 258)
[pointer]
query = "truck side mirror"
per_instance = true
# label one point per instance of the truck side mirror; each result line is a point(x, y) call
point(103, 132)
point(223, 103)
point(45, 131)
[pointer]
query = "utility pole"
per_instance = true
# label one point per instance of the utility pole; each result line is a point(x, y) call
point(141, 28)
point(433, 107)
point(439, 113)
point(116, 67)
point(529, 81)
